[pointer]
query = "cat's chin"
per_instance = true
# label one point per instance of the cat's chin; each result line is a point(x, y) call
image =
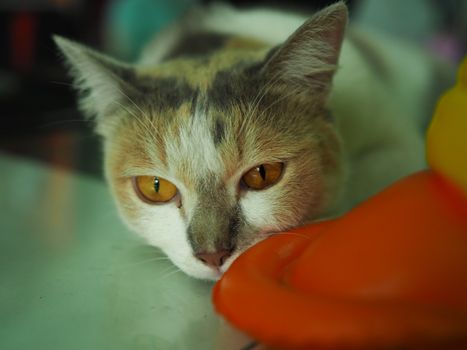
point(208, 275)
point(198, 270)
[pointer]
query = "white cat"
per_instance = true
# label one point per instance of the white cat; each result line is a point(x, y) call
point(232, 127)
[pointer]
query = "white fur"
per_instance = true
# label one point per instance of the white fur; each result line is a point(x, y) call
point(204, 158)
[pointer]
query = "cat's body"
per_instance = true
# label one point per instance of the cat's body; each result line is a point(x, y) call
point(214, 99)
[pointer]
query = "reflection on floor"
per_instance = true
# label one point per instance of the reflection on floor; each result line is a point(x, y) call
point(73, 277)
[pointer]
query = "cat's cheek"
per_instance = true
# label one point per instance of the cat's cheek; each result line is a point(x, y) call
point(163, 226)
point(166, 229)
point(194, 268)
point(258, 210)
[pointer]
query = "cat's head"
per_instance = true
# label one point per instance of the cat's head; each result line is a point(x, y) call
point(208, 155)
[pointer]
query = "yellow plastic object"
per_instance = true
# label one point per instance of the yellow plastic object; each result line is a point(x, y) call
point(447, 135)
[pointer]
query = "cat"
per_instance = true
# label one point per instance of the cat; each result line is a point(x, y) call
point(238, 124)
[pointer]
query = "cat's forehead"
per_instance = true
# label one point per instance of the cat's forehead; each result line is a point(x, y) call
point(202, 141)
point(209, 116)
point(199, 140)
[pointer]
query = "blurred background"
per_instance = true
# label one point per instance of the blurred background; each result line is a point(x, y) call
point(38, 112)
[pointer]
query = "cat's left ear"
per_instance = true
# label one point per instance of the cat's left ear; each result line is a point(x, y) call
point(104, 83)
point(307, 60)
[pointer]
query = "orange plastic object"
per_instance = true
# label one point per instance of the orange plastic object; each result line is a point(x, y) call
point(392, 273)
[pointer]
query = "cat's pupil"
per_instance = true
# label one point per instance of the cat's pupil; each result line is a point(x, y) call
point(156, 184)
point(262, 172)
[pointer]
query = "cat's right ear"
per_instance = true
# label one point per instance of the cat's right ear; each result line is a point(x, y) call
point(104, 83)
point(307, 60)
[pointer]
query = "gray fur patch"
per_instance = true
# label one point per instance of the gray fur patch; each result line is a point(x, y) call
point(235, 222)
point(241, 83)
point(198, 45)
point(165, 93)
point(215, 224)
point(218, 132)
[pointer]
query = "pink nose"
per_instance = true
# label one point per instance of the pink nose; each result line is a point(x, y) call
point(215, 259)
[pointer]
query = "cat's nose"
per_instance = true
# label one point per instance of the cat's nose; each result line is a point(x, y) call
point(215, 259)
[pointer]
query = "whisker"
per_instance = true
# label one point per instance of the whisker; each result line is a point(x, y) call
point(170, 273)
point(264, 90)
point(143, 114)
point(144, 129)
point(129, 111)
point(258, 99)
point(283, 97)
point(145, 126)
point(132, 101)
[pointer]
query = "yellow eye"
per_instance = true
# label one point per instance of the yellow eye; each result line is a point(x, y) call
point(155, 189)
point(263, 175)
